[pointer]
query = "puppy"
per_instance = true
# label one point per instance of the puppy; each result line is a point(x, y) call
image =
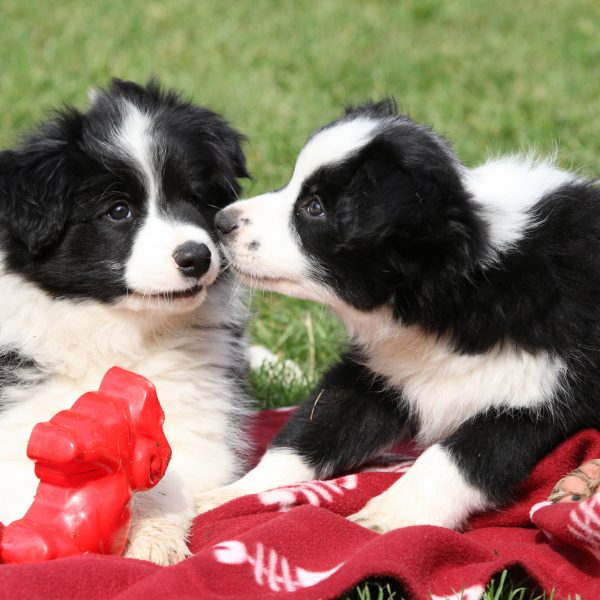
point(471, 301)
point(108, 257)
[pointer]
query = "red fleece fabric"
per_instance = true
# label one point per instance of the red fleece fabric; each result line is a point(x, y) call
point(294, 542)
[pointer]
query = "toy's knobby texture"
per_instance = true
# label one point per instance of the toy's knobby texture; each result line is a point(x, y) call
point(90, 460)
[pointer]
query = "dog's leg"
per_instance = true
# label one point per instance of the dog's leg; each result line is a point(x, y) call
point(160, 520)
point(349, 417)
point(476, 467)
point(279, 466)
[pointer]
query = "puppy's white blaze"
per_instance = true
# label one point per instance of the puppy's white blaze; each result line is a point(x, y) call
point(444, 388)
point(507, 189)
point(151, 268)
point(432, 492)
point(135, 139)
point(332, 145)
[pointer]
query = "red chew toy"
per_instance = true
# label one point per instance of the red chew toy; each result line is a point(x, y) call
point(90, 460)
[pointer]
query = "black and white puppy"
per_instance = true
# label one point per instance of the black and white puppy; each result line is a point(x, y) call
point(108, 257)
point(471, 300)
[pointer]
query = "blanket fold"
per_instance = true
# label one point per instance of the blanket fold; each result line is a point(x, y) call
point(294, 542)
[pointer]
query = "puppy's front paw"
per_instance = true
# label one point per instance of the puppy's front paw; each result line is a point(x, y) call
point(379, 516)
point(210, 499)
point(159, 541)
point(433, 492)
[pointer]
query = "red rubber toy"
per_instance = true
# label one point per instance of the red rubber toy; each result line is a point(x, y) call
point(90, 460)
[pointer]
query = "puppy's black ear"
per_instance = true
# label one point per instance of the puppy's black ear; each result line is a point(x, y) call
point(408, 197)
point(232, 145)
point(36, 180)
point(239, 159)
point(229, 162)
point(35, 192)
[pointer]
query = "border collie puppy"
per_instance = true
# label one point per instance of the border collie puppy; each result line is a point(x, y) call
point(108, 257)
point(471, 300)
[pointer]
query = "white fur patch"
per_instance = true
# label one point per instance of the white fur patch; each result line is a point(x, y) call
point(507, 189)
point(161, 518)
point(432, 492)
point(135, 139)
point(332, 145)
point(442, 387)
point(279, 466)
point(23, 485)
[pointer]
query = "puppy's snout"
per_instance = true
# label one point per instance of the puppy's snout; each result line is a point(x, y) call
point(226, 221)
point(192, 258)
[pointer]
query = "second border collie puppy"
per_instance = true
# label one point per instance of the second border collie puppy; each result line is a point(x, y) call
point(108, 257)
point(471, 297)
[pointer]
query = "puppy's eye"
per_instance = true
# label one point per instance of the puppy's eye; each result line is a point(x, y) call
point(314, 208)
point(119, 212)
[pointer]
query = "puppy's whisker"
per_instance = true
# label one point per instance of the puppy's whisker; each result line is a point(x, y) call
point(233, 190)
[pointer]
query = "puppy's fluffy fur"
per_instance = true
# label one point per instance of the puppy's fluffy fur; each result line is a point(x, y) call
point(108, 257)
point(471, 299)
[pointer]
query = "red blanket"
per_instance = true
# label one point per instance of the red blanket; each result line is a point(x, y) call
point(295, 542)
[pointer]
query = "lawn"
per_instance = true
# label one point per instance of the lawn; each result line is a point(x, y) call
point(523, 75)
point(492, 76)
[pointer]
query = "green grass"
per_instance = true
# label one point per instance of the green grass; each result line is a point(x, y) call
point(298, 330)
point(492, 76)
point(505, 586)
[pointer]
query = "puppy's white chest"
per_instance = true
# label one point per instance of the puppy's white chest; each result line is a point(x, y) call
point(443, 388)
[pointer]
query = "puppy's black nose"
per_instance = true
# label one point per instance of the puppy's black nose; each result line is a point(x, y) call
point(192, 258)
point(226, 221)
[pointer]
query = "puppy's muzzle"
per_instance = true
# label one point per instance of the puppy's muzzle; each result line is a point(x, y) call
point(227, 222)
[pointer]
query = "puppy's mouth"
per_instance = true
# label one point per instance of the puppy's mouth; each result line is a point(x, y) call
point(255, 279)
point(171, 296)
point(261, 280)
point(281, 285)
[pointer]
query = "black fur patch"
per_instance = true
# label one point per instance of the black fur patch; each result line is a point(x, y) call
point(350, 416)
